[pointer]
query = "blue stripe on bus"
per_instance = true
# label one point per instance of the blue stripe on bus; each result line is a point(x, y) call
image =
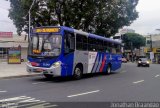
point(99, 63)
point(95, 64)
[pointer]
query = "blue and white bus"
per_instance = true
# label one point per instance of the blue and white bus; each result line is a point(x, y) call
point(63, 51)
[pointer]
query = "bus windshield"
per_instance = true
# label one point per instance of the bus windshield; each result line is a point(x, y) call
point(45, 45)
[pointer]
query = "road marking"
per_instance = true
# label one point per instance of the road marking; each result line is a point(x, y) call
point(24, 101)
point(157, 76)
point(29, 100)
point(138, 81)
point(30, 104)
point(3, 91)
point(14, 99)
point(51, 106)
point(38, 83)
point(83, 93)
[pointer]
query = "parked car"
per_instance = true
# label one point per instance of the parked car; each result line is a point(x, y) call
point(143, 62)
point(124, 60)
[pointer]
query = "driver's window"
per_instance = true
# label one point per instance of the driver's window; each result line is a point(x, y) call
point(69, 42)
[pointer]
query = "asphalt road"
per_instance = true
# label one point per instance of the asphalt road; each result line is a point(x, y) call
point(130, 84)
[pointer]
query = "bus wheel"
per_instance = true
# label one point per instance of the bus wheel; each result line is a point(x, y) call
point(48, 76)
point(109, 69)
point(77, 72)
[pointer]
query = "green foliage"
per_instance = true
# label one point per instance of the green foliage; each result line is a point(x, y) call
point(137, 40)
point(103, 17)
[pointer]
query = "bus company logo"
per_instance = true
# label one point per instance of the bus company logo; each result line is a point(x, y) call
point(46, 64)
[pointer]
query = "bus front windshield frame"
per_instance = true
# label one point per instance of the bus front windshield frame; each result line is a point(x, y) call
point(45, 45)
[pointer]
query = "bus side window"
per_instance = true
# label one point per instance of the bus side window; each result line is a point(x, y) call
point(113, 48)
point(69, 42)
point(92, 44)
point(81, 42)
point(118, 49)
point(108, 46)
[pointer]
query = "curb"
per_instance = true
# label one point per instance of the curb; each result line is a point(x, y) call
point(19, 76)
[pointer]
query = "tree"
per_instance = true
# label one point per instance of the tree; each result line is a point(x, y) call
point(103, 17)
point(137, 40)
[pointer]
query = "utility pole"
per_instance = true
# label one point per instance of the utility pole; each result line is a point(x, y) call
point(131, 44)
point(29, 15)
point(150, 43)
point(151, 51)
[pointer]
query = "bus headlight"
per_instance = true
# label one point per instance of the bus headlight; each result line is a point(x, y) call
point(139, 61)
point(56, 64)
point(147, 62)
point(29, 63)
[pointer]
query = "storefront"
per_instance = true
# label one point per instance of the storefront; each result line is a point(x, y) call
point(14, 42)
point(156, 52)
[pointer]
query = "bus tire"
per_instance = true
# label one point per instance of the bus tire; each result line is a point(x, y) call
point(78, 72)
point(48, 76)
point(108, 71)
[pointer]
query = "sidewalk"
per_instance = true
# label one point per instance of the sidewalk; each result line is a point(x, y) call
point(13, 70)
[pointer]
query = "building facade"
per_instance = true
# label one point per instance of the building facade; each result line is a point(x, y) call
point(153, 45)
point(14, 41)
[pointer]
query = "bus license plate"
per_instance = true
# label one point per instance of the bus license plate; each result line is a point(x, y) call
point(38, 70)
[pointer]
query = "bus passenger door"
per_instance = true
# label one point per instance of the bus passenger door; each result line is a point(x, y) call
point(69, 48)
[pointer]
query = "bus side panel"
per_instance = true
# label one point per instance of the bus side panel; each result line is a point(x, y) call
point(103, 64)
point(119, 61)
point(82, 58)
point(113, 62)
point(92, 59)
point(99, 62)
point(107, 57)
point(96, 63)
point(116, 62)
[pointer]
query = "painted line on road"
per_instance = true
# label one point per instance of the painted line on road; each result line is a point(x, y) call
point(30, 104)
point(136, 82)
point(51, 106)
point(2, 91)
point(15, 98)
point(157, 76)
point(38, 83)
point(26, 102)
point(85, 93)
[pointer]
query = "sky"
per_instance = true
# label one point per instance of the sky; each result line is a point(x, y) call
point(147, 23)
point(6, 24)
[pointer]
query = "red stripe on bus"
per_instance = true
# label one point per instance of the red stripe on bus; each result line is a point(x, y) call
point(103, 64)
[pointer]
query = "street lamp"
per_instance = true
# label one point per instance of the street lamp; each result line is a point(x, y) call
point(29, 15)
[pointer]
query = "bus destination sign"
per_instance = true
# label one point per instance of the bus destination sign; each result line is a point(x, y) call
point(47, 30)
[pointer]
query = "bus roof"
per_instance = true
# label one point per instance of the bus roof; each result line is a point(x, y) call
point(91, 35)
point(83, 33)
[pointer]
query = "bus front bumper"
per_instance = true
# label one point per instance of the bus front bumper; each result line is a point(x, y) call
point(55, 71)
